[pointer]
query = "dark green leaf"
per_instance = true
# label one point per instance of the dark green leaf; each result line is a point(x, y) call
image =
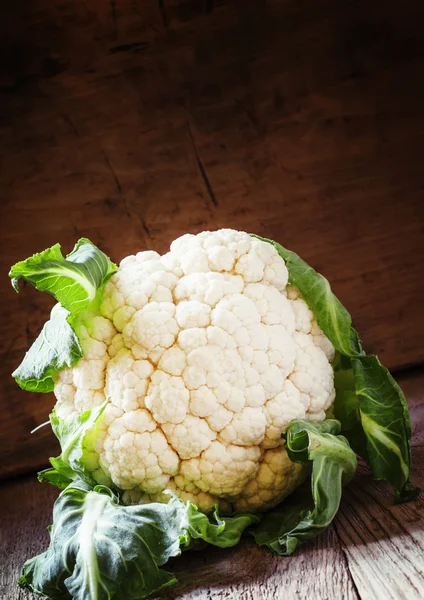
point(56, 347)
point(386, 424)
point(308, 512)
point(370, 405)
point(100, 549)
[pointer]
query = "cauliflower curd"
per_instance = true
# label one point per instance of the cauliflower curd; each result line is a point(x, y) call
point(205, 354)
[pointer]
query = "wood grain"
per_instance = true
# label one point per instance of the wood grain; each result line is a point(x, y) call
point(134, 122)
point(383, 543)
point(373, 552)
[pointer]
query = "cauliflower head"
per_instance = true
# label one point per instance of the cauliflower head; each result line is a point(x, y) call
point(205, 355)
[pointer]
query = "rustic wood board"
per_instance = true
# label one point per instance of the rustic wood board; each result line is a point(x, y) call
point(372, 552)
point(133, 122)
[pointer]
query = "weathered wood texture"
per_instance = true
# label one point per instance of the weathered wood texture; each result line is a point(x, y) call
point(133, 122)
point(373, 552)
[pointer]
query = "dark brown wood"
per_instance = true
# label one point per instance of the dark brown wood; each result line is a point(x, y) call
point(134, 122)
point(373, 552)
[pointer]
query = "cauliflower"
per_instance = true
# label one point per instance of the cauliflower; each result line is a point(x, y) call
point(205, 355)
point(192, 385)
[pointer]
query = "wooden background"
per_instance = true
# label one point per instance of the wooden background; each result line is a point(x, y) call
point(133, 122)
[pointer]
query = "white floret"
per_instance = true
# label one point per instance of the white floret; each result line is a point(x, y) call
point(250, 267)
point(167, 398)
point(208, 288)
point(279, 411)
point(193, 338)
point(100, 329)
point(220, 258)
point(190, 437)
point(151, 329)
point(127, 380)
point(190, 313)
point(222, 469)
point(116, 345)
point(203, 402)
point(313, 377)
point(173, 361)
point(187, 491)
point(322, 341)
point(135, 453)
point(276, 478)
point(247, 428)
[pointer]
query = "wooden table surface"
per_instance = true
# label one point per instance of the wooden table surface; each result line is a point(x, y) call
point(134, 121)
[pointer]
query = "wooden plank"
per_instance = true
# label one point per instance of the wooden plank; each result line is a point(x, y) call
point(384, 543)
point(251, 573)
point(134, 125)
point(374, 552)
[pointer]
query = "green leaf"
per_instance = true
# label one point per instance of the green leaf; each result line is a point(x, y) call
point(369, 404)
point(60, 478)
point(385, 421)
point(56, 347)
point(73, 280)
point(218, 531)
point(306, 513)
point(74, 434)
point(101, 550)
